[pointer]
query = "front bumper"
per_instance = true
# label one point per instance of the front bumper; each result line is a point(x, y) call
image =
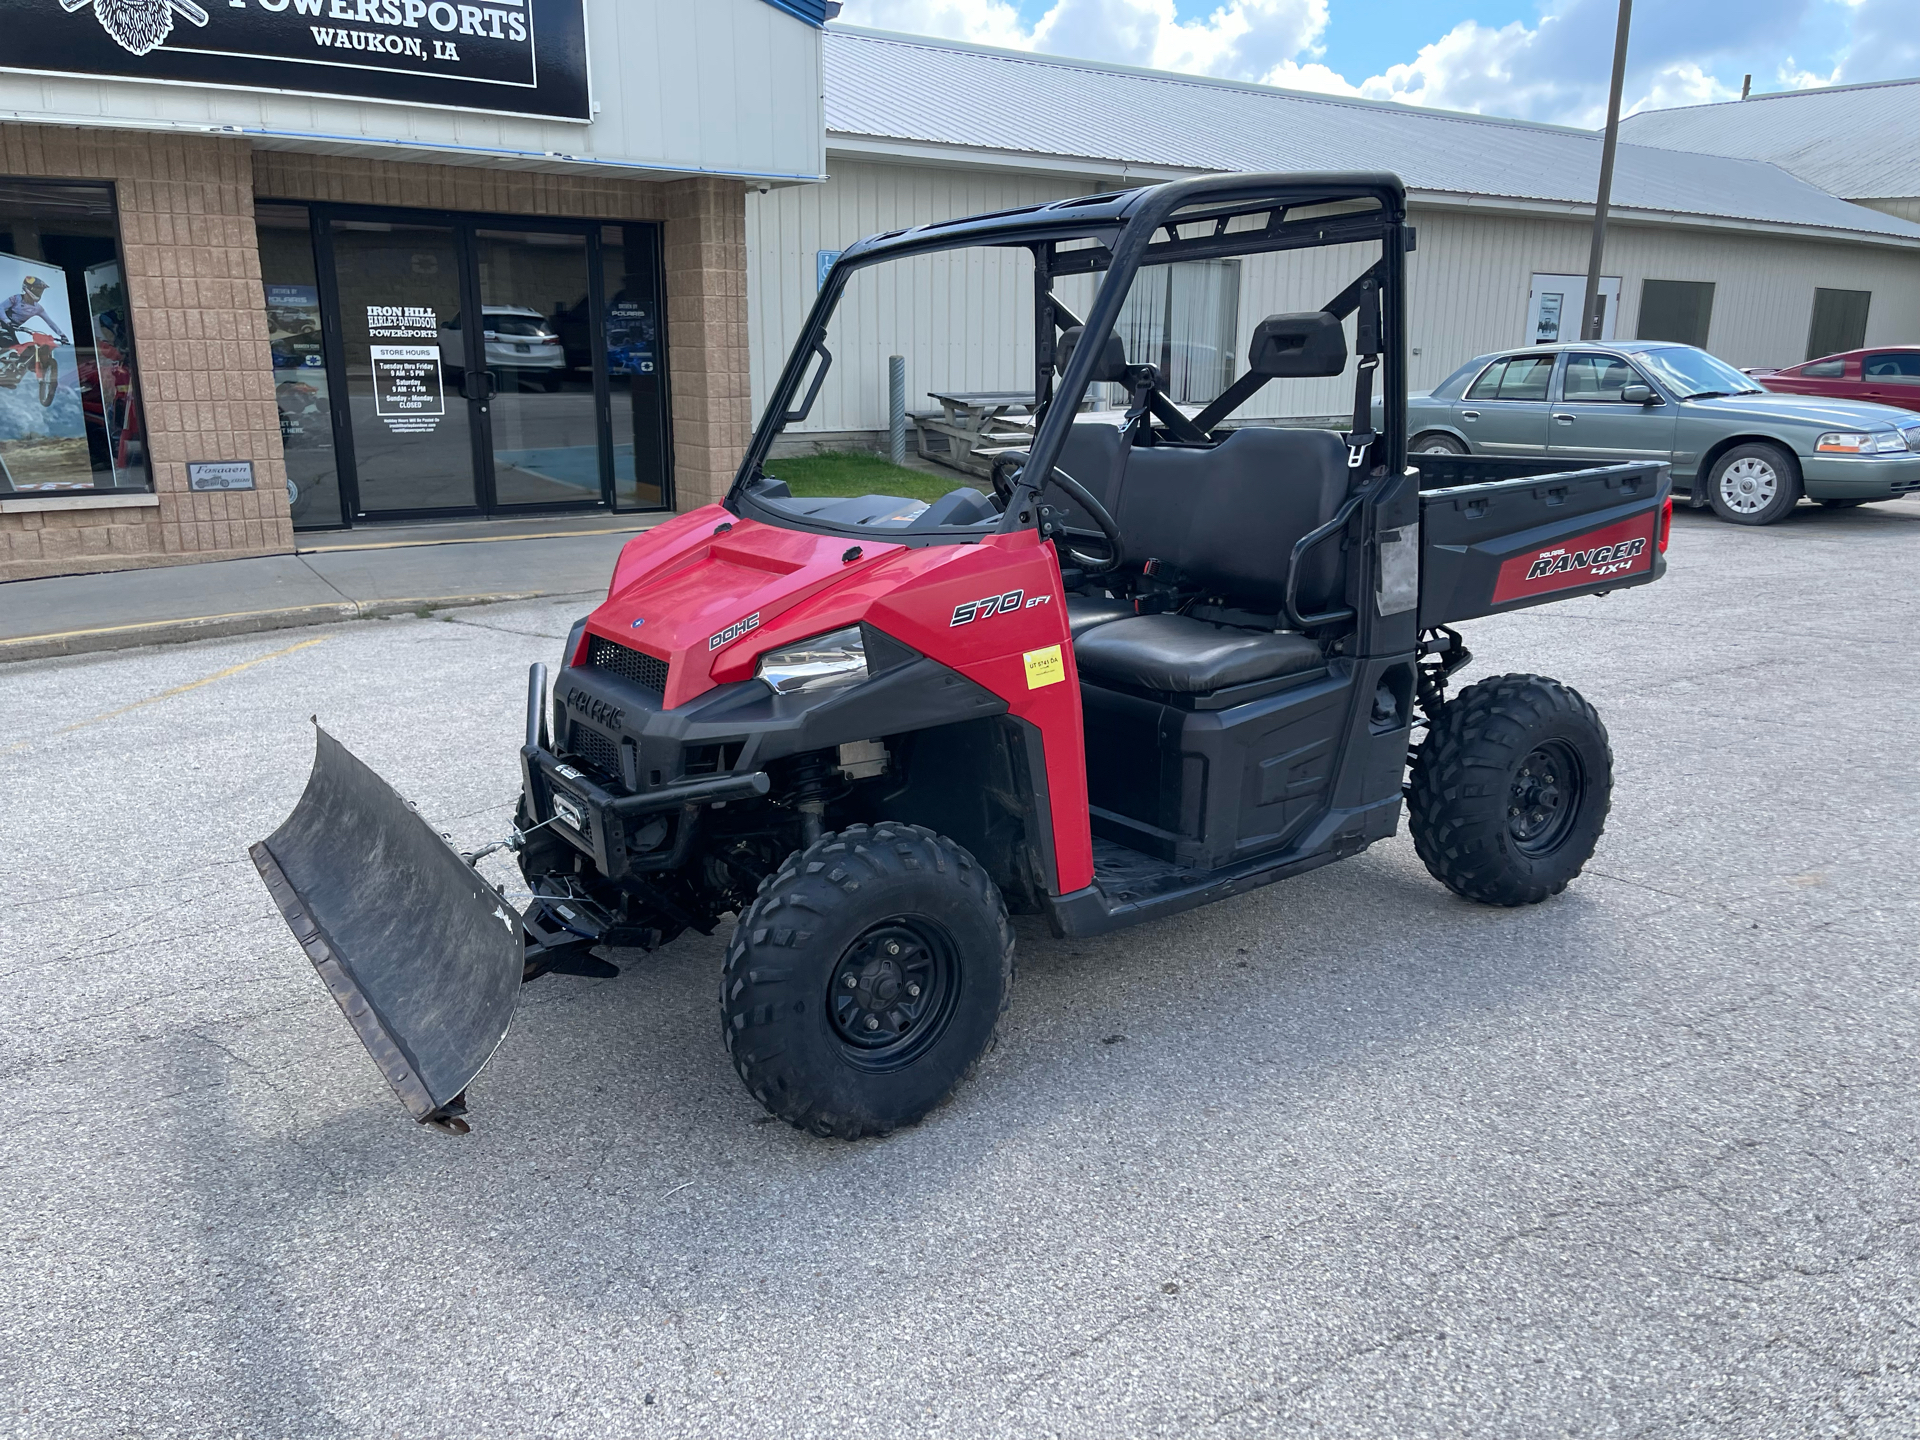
point(620, 757)
point(597, 821)
point(1860, 477)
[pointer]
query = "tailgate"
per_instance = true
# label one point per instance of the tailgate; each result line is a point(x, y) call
point(1506, 544)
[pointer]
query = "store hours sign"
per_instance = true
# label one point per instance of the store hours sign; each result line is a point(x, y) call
point(524, 57)
point(408, 393)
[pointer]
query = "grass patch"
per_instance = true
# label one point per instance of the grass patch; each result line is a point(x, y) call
point(850, 472)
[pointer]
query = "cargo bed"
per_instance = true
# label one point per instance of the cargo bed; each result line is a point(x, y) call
point(1501, 533)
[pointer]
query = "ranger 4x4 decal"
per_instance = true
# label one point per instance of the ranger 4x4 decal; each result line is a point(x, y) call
point(1623, 549)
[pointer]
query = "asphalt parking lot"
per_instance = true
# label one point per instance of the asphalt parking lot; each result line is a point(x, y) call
point(1346, 1157)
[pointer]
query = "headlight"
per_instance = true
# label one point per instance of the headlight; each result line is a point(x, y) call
point(1860, 442)
point(817, 664)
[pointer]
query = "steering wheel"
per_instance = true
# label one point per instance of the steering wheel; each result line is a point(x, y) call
point(1109, 527)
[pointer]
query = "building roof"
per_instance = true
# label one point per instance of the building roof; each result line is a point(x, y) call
point(1860, 141)
point(887, 90)
point(814, 12)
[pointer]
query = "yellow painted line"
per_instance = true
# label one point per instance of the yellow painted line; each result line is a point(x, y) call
point(477, 539)
point(176, 690)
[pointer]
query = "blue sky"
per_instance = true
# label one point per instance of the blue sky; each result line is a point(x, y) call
point(1534, 59)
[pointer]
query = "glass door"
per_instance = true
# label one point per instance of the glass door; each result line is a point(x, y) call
point(536, 325)
point(407, 367)
point(472, 364)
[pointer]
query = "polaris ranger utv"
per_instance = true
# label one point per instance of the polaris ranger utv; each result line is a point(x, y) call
point(1168, 660)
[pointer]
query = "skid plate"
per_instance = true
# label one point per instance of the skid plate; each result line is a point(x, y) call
point(422, 955)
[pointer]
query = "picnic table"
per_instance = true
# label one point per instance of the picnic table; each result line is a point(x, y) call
point(973, 426)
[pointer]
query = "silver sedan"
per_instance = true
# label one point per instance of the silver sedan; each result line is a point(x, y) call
point(1749, 453)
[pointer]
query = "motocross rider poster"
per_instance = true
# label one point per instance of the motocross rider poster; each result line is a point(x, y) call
point(43, 425)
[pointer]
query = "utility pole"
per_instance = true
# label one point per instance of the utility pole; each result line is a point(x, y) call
point(1590, 324)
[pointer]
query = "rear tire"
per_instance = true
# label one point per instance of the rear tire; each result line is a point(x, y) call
point(1436, 442)
point(1754, 484)
point(1510, 790)
point(867, 980)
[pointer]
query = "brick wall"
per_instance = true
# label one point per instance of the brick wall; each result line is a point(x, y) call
point(193, 285)
point(706, 263)
point(193, 280)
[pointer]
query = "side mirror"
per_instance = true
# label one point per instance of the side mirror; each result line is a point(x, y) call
point(1299, 345)
point(1638, 395)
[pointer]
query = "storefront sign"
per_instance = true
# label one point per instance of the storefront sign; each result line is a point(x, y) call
point(523, 57)
point(220, 475)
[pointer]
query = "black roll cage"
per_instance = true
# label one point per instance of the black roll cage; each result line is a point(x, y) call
point(1128, 230)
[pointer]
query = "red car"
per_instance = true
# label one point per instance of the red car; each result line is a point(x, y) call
point(1888, 376)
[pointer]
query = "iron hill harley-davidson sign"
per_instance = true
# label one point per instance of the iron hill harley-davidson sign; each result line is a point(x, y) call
point(523, 57)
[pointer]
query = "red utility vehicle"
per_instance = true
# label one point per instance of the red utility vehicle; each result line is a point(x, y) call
point(1166, 661)
point(1889, 375)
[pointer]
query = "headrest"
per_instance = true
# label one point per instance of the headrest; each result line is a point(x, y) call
point(1309, 343)
point(1112, 364)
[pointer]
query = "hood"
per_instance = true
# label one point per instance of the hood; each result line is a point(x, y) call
point(696, 589)
point(1809, 410)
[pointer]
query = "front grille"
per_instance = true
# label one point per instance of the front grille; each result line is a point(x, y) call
point(1905, 487)
point(594, 748)
point(627, 663)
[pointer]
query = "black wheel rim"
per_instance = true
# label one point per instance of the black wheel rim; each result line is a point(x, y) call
point(1543, 801)
point(893, 992)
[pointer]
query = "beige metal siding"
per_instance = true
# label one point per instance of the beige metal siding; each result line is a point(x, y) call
point(1907, 208)
point(963, 322)
point(1470, 277)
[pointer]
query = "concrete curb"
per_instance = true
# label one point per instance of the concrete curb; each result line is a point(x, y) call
point(243, 622)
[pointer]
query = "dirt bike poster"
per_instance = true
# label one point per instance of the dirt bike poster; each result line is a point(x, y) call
point(112, 366)
point(43, 424)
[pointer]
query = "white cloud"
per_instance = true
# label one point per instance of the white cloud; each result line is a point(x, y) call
point(1241, 39)
point(1885, 42)
point(1556, 68)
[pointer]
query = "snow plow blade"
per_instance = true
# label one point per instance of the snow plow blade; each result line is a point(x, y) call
point(422, 955)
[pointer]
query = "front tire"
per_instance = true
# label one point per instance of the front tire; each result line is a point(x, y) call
point(1754, 484)
point(1510, 790)
point(1436, 442)
point(867, 980)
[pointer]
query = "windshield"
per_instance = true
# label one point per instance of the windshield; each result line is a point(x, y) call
point(1205, 291)
point(1695, 375)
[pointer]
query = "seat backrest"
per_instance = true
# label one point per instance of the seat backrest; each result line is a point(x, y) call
point(1226, 516)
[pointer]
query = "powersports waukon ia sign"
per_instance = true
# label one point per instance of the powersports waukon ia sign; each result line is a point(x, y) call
point(522, 57)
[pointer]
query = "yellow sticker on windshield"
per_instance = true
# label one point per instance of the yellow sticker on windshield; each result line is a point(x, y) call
point(1044, 667)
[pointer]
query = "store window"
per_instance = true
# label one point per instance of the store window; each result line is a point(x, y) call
point(298, 346)
point(70, 414)
point(1839, 321)
point(1182, 318)
point(636, 363)
point(1680, 310)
